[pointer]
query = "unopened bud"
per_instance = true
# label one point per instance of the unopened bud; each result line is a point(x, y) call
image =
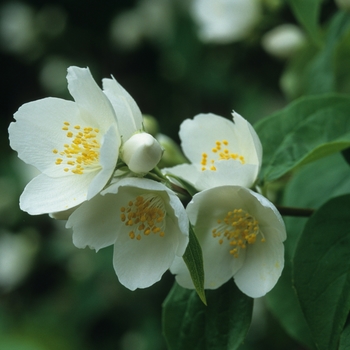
point(283, 41)
point(142, 152)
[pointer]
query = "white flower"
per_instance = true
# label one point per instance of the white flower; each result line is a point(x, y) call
point(225, 21)
point(221, 152)
point(143, 219)
point(75, 145)
point(142, 152)
point(283, 41)
point(241, 235)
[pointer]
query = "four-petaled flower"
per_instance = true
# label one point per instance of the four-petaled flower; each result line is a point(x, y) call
point(144, 220)
point(221, 152)
point(75, 145)
point(241, 234)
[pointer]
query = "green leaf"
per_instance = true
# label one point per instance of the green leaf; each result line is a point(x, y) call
point(318, 182)
point(307, 13)
point(284, 305)
point(345, 338)
point(194, 260)
point(321, 70)
point(322, 272)
point(306, 130)
point(222, 325)
point(320, 74)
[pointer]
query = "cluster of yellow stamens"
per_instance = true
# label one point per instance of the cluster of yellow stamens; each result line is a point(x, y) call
point(239, 228)
point(82, 149)
point(145, 215)
point(220, 152)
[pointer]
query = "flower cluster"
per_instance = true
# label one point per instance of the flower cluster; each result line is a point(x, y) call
point(98, 169)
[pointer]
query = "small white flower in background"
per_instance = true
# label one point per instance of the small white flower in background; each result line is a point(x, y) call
point(75, 145)
point(283, 41)
point(241, 234)
point(17, 253)
point(225, 21)
point(141, 152)
point(148, 19)
point(144, 220)
point(222, 152)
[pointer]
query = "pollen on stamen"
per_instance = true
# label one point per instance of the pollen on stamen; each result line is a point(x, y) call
point(239, 229)
point(146, 215)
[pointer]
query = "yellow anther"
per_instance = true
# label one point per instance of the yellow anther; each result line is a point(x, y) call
point(239, 229)
point(69, 134)
point(225, 142)
point(131, 234)
point(138, 237)
point(77, 127)
point(145, 214)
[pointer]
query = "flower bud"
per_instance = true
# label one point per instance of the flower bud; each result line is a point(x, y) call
point(283, 41)
point(141, 153)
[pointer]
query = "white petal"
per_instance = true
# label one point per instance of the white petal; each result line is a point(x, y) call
point(38, 131)
point(263, 266)
point(95, 223)
point(127, 111)
point(63, 215)
point(228, 172)
point(248, 142)
point(198, 135)
point(139, 264)
point(108, 160)
point(47, 195)
point(88, 95)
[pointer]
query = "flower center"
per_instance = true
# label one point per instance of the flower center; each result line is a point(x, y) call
point(219, 152)
point(144, 215)
point(238, 228)
point(81, 150)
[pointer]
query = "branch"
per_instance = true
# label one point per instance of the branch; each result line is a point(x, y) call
point(290, 211)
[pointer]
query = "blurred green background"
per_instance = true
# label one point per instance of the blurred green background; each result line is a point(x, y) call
point(53, 295)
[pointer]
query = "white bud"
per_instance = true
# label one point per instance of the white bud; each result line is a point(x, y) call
point(142, 152)
point(283, 41)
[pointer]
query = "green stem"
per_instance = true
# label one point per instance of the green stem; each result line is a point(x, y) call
point(299, 212)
